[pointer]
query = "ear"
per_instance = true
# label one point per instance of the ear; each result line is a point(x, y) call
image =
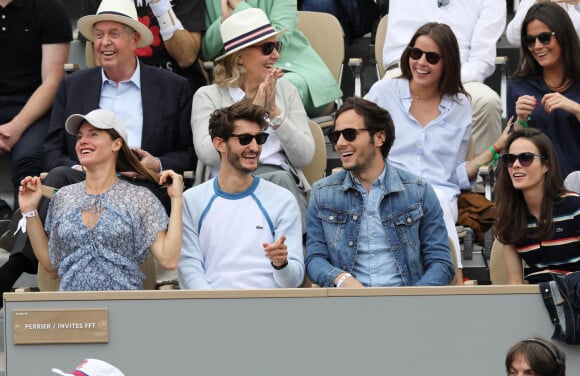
point(219, 144)
point(136, 38)
point(380, 138)
point(117, 144)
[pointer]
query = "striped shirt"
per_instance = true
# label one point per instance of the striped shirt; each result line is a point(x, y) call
point(561, 254)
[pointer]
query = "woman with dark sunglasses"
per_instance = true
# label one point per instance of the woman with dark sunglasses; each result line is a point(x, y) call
point(248, 70)
point(302, 66)
point(545, 90)
point(514, 27)
point(432, 116)
point(538, 221)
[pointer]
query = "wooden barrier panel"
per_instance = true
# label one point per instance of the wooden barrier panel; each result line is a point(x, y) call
point(451, 330)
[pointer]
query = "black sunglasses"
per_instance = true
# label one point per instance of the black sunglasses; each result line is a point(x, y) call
point(349, 134)
point(246, 138)
point(525, 159)
point(269, 47)
point(416, 53)
point(544, 38)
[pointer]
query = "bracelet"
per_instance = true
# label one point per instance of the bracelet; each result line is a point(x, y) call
point(495, 155)
point(342, 279)
point(22, 221)
point(279, 267)
point(523, 123)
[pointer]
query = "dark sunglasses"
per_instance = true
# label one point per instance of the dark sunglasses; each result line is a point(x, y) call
point(269, 47)
point(544, 38)
point(349, 134)
point(246, 138)
point(416, 53)
point(525, 159)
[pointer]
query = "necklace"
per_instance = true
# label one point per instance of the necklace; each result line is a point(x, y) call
point(557, 86)
point(424, 98)
point(94, 205)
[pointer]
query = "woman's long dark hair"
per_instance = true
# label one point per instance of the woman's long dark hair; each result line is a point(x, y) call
point(557, 20)
point(128, 161)
point(511, 225)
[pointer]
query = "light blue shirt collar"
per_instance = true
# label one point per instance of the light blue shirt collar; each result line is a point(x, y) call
point(135, 78)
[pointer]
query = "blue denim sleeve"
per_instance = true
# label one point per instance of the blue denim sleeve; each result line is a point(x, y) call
point(435, 251)
point(318, 266)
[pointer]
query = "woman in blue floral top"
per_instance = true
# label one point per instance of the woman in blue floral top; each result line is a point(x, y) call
point(100, 230)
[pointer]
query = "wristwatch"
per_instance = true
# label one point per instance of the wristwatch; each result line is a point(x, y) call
point(276, 122)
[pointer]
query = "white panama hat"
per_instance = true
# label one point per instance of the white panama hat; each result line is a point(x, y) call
point(122, 11)
point(246, 28)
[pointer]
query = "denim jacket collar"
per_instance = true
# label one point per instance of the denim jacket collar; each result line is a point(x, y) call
point(390, 181)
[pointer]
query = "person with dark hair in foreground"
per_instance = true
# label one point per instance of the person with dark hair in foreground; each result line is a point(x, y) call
point(535, 356)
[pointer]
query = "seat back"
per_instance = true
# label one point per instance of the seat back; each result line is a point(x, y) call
point(46, 283)
point(314, 171)
point(380, 37)
point(326, 37)
point(77, 54)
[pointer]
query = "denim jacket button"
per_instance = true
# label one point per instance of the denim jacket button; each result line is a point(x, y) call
point(409, 220)
point(355, 217)
point(331, 218)
point(350, 244)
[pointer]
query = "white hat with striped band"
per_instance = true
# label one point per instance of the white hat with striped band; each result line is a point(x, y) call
point(245, 28)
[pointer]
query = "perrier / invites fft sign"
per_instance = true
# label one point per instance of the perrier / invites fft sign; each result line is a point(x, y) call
point(44, 326)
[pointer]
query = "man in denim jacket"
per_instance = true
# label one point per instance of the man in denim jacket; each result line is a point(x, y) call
point(373, 224)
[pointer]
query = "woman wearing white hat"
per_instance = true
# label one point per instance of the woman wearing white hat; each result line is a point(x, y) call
point(101, 229)
point(247, 70)
point(303, 67)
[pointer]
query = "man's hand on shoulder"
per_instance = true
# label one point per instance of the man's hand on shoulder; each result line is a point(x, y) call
point(148, 160)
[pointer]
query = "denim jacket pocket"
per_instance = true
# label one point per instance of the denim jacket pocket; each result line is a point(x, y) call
point(334, 226)
point(407, 226)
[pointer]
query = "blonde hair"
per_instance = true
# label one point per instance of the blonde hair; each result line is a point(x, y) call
point(228, 72)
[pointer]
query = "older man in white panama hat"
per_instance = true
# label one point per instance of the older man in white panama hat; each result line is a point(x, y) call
point(177, 27)
point(154, 104)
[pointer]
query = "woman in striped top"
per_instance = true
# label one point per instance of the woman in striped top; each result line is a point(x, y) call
point(538, 220)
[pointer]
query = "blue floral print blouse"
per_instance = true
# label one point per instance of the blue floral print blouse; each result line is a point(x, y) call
point(106, 256)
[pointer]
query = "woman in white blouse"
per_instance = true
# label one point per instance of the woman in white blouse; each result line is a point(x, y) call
point(432, 116)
